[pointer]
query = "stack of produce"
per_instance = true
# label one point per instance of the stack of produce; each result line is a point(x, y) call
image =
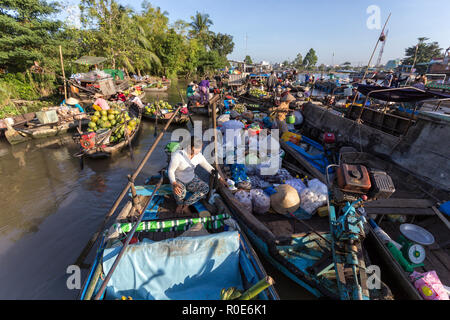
point(115, 120)
point(240, 108)
point(257, 92)
point(161, 105)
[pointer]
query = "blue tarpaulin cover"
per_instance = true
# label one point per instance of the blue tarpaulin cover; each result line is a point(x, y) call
point(183, 268)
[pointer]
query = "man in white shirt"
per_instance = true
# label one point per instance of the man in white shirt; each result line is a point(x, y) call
point(182, 176)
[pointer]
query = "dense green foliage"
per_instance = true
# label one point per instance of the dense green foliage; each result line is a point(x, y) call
point(140, 42)
point(425, 52)
point(310, 59)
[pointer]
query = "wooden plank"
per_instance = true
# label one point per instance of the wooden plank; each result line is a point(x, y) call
point(399, 203)
point(441, 216)
point(400, 211)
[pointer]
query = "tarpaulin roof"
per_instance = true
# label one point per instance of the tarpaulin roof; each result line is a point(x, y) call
point(90, 60)
point(406, 94)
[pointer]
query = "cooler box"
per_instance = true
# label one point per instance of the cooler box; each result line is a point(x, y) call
point(46, 117)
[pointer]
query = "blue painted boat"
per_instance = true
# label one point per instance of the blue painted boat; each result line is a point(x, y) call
point(175, 257)
point(312, 253)
point(312, 151)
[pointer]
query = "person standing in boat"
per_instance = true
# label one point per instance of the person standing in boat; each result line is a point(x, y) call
point(182, 175)
point(272, 81)
point(204, 91)
point(281, 112)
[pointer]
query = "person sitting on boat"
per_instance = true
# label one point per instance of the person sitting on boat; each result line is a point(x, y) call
point(190, 91)
point(121, 96)
point(136, 100)
point(182, 175)
point(72, 103)
point(421, 82)
point(281, 112)
point(204, 91)
point(388, 79)
point(100, 102)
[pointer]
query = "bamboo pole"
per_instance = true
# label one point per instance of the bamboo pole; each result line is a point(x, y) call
point(63, 73)
point(94, 238)
point(125, 245)
point(371, 57)
point(259, 287)
point(368, 65)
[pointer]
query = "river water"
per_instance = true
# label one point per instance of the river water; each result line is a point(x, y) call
point(50, 208)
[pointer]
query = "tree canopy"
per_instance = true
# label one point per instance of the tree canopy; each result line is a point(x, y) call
point(137, 41)
point(425, 52)
point(248, 60)
point(310, 59)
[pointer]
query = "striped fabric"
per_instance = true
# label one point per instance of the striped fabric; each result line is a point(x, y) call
point(213, 222)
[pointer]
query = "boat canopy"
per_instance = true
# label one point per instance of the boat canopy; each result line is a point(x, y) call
point(406, 94)
point(183, 268)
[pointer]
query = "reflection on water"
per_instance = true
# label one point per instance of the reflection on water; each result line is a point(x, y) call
point(50, 208)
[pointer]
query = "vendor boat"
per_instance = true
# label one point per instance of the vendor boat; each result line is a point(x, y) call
point(97, 145)
point(203, 255)
point(37, 129)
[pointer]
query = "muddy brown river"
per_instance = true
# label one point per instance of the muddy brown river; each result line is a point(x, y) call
point(50, 208)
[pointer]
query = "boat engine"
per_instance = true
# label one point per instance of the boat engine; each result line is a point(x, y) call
point(356, 180)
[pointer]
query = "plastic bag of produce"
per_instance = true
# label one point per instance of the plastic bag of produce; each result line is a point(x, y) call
point(245, 199)
point(311, 200)
point(260, 201)
point(297, 184)
point(317, 186)
point(429, 285)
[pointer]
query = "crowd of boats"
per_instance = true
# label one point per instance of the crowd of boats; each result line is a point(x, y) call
point(357, 209)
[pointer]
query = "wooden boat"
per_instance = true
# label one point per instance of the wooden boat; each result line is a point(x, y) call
point(307, 252)
point(162, 89)
point(204, 108)
point(416, 202)
point(34, 130)
point(265, 103)
point(18, 121)
point(108, 150)
point(187, 257)
point(179, 119)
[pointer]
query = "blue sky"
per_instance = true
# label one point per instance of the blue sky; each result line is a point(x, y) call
point(278, 30)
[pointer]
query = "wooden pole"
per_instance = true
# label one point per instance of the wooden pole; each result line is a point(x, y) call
point(370, 61)
point(125, 245)
point(371, 57)
point(94, 238)
point(63, 73)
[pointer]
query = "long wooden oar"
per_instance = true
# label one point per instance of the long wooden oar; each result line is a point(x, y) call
point(127, 242)
point(94, 238)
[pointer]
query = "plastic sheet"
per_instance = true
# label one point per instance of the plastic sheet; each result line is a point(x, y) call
point(192, 268)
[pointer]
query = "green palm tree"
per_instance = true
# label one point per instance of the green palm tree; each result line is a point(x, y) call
point(200, 24)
